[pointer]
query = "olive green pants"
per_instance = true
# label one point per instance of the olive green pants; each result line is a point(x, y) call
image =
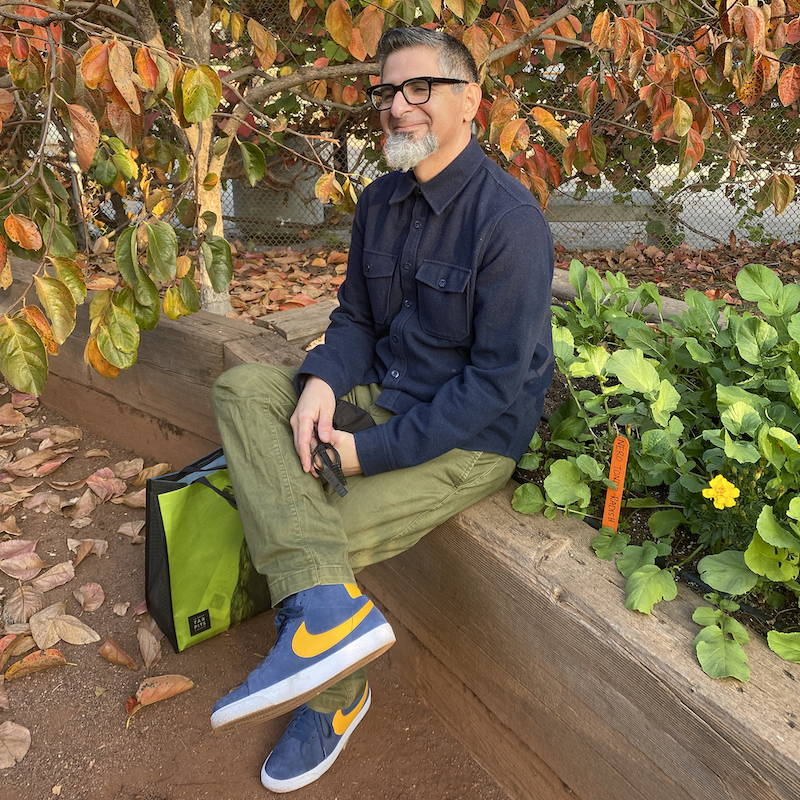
point(299, 531)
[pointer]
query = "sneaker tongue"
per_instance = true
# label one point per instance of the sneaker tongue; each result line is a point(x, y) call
point(302, 725)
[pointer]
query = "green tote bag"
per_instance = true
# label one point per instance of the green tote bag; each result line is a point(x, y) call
point(199, 577)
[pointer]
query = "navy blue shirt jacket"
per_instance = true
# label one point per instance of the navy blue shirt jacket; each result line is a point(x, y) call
point(446, 305)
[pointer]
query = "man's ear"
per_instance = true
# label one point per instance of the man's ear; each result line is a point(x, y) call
point(472, 100)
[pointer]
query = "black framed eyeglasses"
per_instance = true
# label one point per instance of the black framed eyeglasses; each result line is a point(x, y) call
point(415, 90)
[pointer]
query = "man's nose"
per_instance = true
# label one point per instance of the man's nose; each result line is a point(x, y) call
point(399, 104)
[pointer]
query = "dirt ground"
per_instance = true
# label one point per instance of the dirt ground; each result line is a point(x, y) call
point(81, 747)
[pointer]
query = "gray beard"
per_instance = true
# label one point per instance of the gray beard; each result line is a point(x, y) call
point(404, 151)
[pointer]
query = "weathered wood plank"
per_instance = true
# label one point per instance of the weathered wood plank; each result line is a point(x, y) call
point(613, 701)
point(266, 348)
point(300, 326)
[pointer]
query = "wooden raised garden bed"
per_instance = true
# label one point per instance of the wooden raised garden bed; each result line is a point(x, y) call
point(507, 625)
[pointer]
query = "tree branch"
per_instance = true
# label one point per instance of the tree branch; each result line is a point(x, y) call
point(535, 33)
point(103, 9)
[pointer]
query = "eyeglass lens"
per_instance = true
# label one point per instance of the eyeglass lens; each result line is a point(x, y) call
point(415, 91)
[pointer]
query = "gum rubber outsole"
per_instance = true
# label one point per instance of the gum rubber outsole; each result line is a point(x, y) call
point(263, 714)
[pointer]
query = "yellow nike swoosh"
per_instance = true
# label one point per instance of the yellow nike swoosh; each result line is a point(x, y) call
point(341, 722)
point(310, 645)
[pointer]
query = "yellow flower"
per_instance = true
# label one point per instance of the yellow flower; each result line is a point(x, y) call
point(722, 491)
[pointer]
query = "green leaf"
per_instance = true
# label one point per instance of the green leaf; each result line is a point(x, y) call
point(253, 162)
point(147, 317)
point(741, 418)
point(756, 283)
point(528, 499)
point(719, 656)
point(589, 467)
point(706, 615)
point(23, 359)
point(189, 294)
point(727, 572)
point(593, 361)
point(123, 329)
point(793, 382)
point(59, 305)
point(609, 542)
point(773, 533)
point(126, 255)
point(106, 172)
point(202, 92)
point(220, 270)
point(743, 452)
point(210, 219)
point(563, 344)
point(111, 352)
point(634, 371)
point(530, 461)
point(786, 645)
point(635, 557)
point(772, 562)
point(63, 244)
point(124, 165)
point(565, 485)
point(648, 586)
point(162, 250)
point(754, 339)
point(666, 402)
point(665, 523)
point(70, 274)
point(146, 292)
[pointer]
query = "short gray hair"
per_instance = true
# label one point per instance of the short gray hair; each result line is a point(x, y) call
point(455, 60)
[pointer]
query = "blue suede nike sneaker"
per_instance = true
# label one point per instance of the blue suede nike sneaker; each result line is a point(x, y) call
point(324, 634)
point(310, 745)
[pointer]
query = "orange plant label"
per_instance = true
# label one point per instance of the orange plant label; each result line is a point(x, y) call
point(616, 473)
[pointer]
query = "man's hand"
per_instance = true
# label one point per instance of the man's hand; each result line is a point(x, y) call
point(345, 444)
point(314, 408)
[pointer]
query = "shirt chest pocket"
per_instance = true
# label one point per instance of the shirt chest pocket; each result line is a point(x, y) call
point(379, 269)
point(444, 302)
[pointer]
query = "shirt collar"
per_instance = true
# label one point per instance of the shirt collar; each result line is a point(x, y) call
point(443, 188)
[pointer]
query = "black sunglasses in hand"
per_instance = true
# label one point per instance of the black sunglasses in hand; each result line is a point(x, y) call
point(415, 90)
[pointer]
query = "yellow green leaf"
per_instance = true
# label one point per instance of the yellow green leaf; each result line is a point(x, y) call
point(23, 358)
point(59, 305)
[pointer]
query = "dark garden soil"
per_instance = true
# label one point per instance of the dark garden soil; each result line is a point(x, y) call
point(82, 745)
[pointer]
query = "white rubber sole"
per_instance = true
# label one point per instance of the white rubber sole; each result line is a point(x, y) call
point(295, 690)
point(289, 785)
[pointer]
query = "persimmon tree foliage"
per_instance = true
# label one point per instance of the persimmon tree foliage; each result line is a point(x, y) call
point(146, 108)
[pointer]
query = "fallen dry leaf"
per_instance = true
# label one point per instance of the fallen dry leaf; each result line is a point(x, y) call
point(43, 628)
point(149, 646)
point(43, 503)
point(81, 522)
point(3, 694)
point(56, 576)
point(15, 741)
point(10, 416)
point(90, 596)
point(17, 547)
point(152, 690)
point(9, 526)
point(127, 469)
point(121, 609)
point(24, 400)
point(83, 547)
point(141, 608)
point(105, 484)
point(151, 472)
point(132, 529)
point(35, 662)
point(25, 466)
point(22, 605)
point(112, 652)
point(97, 454)
point(67, 486)
point(23, 567)
point(133, 499)
point(52, 464)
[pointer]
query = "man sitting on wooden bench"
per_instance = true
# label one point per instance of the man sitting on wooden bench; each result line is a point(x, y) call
point(443, 337)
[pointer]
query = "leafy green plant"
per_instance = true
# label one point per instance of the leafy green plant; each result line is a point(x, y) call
point(710, 403)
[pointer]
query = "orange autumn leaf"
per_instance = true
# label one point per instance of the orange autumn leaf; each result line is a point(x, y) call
point(35, 662)
point(23, 231)
point(112, 652)
point(152, 690)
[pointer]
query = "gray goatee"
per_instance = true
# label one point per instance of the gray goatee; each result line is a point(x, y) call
point(404, 151)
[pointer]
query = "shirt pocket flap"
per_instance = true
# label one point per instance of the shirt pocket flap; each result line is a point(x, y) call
point(443, 277)
point(378, 265)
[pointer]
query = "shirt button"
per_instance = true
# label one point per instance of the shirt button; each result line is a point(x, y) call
point(442, 282)
point(407, 303)
point(407, 265)
point(369, 267)
point(417, 224)
point(395, 373)
point(395, 338)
